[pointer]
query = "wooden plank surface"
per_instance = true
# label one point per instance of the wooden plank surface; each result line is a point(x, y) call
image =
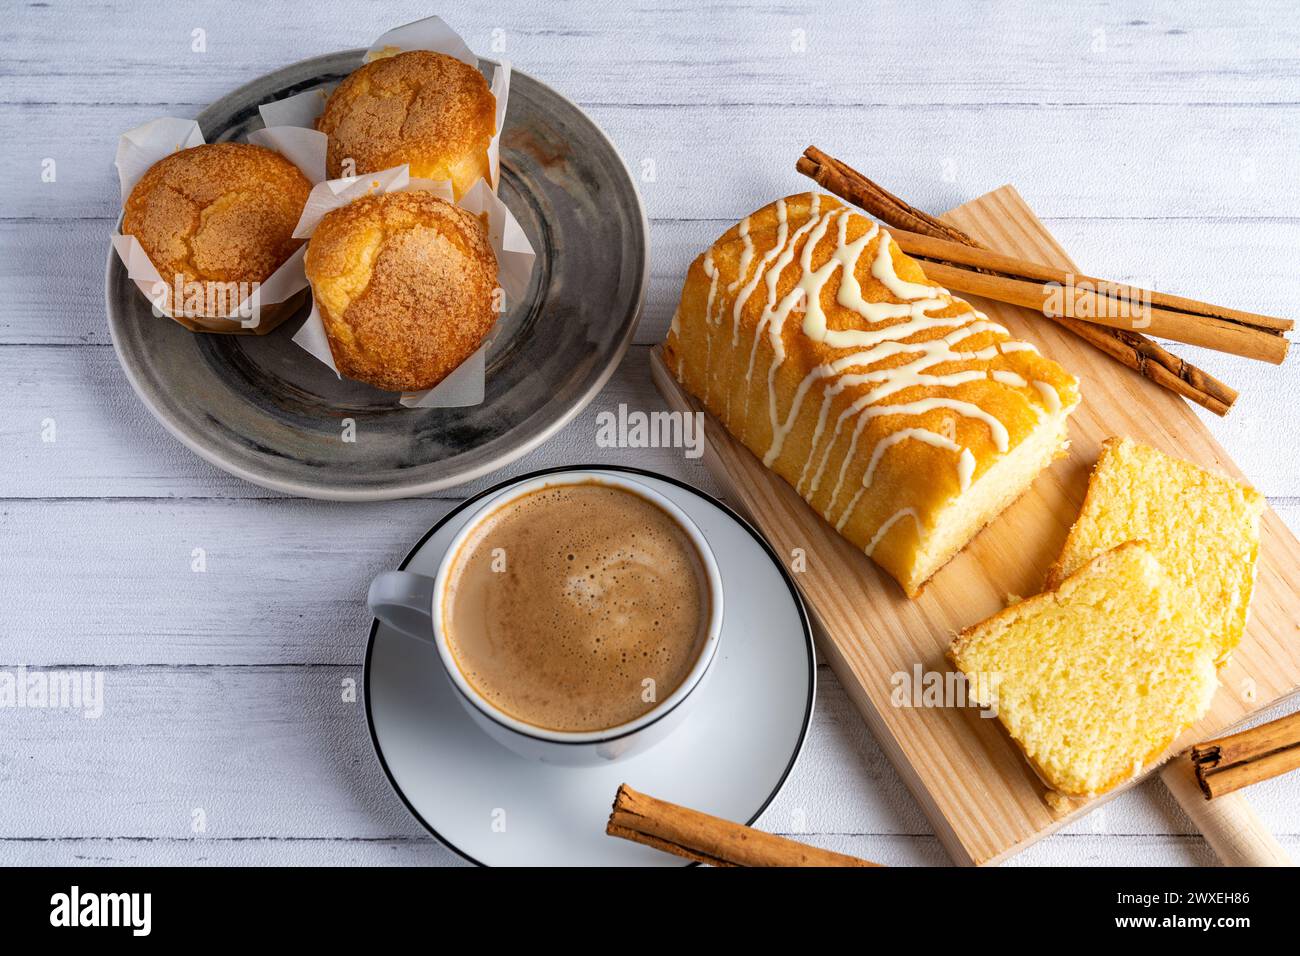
point(676, 184)
point(981, 796)
point(281, 766)
point(654, 55)
point(1188, 110)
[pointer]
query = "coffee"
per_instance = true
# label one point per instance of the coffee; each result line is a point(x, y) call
point(576, 607)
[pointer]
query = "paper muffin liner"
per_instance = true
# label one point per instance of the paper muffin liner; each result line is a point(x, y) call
point(465, 385)
point(432, 34)
point(140, 148)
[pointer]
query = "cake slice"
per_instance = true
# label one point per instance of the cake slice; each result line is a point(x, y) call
point(1203, 528)
point(1095, 679)
point(905, 417)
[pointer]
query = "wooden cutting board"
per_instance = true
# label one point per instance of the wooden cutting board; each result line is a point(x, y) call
point(980, 795)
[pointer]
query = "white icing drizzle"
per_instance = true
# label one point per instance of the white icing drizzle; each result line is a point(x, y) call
point(746, 256)
point(782, 252)
point(807, 291)
point(774, 312)
point(882, 446)
point(865, 411)
point(1051, 397)
point(713, 318)
point(889, 523)
point(965, 469)
point(882, 268)
point(711, 271)
point(871, 346)
point(849, 295)
point(675, 330)
point(711, 375)
point(936, 350)
point(846, 255)
point(782, 233)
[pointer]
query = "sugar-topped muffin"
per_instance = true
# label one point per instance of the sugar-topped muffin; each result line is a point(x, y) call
point(423, 108)
point(217, 213)
point(405, 285)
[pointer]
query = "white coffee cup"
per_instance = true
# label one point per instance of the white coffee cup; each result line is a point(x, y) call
point(412, 604)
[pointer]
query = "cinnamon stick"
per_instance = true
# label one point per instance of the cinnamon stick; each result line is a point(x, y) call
point(1130, 348)
point(1089, 306)
point(850, 185)
point(708, 839)
point(1230, 763)
point(944, 250)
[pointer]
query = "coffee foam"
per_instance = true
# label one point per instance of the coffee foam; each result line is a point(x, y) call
point(560, 604)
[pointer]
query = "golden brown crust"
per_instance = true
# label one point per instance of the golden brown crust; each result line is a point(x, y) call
point(423, 108)
point(1056, 573)
point(221, 212)
point(404, 283)
point(722, 349)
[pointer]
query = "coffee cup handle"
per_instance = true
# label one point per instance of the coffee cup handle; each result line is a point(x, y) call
point(404, 601)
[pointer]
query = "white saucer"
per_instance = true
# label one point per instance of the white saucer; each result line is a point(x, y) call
point(729, 758)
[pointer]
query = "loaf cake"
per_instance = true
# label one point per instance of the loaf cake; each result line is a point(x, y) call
point(1203, 528)
point(905, 417)
point(1095, 679)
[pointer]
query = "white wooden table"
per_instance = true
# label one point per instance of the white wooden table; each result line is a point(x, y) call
point(1160, 143)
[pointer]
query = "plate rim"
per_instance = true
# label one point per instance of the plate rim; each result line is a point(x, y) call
point(411, 489)
point(809, 642)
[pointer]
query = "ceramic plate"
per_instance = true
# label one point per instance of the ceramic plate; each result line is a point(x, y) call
point(263, 409)
point(729, 758)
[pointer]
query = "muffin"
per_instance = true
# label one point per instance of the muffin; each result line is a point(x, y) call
point(222, 213)
point(426, 109)
point(405, 286)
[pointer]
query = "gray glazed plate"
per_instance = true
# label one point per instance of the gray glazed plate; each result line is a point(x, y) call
point(263, 409)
